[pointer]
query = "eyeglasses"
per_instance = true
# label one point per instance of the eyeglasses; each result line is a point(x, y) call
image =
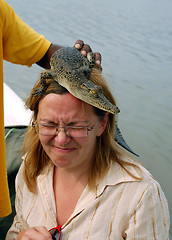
point(71, 131)
point(55, 232)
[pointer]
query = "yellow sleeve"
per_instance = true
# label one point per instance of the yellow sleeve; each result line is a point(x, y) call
point(5, 205)
point(21, 44)
point(18, 44)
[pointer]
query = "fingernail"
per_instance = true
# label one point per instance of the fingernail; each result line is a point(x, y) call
point(77, 45)
point(84, 52)
point(98, 62)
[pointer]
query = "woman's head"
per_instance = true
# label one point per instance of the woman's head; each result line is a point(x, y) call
point(102, 141)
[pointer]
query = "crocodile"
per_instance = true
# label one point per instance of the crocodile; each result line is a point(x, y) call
point(72, 71)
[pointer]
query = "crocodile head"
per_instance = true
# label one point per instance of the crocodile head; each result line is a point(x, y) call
point(72, 70)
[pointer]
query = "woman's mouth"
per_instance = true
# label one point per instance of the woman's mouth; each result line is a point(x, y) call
point(63, 149)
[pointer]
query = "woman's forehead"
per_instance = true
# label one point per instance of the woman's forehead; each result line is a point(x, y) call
point(64, 105)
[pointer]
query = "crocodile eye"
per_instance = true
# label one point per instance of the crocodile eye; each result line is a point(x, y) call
point(93, 91)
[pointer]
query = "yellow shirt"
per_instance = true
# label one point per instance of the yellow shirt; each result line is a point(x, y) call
point(21, 45)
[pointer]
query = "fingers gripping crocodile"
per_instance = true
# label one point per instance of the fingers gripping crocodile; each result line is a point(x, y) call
point(72, 70)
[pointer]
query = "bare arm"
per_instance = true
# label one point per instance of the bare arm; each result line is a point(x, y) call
point(44, 61)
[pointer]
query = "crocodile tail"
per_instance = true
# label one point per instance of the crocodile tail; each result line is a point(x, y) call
point(120, 140)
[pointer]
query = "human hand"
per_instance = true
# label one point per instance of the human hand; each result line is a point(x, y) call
point(85, 48)
point(79, 44)
point(34, 233)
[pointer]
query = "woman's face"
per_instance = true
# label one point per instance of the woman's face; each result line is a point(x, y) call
point(66, 110)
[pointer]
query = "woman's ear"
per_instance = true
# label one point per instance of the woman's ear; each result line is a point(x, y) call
point(103, 124)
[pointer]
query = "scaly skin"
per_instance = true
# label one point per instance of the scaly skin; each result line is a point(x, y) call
point(72, 71)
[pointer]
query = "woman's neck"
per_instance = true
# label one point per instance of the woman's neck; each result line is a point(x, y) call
point(68, 178)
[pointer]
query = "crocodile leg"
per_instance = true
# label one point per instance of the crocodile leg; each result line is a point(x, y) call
point(90, 57)
point(44, 75)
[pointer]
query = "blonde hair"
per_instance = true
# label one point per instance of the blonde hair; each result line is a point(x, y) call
point(107, 151)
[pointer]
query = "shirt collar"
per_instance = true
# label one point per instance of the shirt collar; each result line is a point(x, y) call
point(117, 174)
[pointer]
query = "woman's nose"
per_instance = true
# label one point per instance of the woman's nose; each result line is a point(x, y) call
point(61, 136)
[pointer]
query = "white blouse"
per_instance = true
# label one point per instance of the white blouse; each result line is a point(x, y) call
point(121, 208)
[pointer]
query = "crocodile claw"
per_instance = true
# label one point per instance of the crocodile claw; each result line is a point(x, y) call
point(38, 91)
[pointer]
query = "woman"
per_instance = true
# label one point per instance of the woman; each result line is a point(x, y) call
point(76, 182)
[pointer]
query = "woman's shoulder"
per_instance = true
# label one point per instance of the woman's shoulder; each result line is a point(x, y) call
point(130, 170)
point(138, 181)
point(20, 179)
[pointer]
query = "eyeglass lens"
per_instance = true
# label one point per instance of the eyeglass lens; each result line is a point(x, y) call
point(70, 131)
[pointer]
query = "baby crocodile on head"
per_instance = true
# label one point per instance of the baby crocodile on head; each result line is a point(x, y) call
point(72, 71)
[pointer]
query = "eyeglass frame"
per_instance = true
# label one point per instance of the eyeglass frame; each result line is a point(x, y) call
point(65, 128)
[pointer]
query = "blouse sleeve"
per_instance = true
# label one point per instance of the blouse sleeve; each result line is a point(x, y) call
point(151, 216)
